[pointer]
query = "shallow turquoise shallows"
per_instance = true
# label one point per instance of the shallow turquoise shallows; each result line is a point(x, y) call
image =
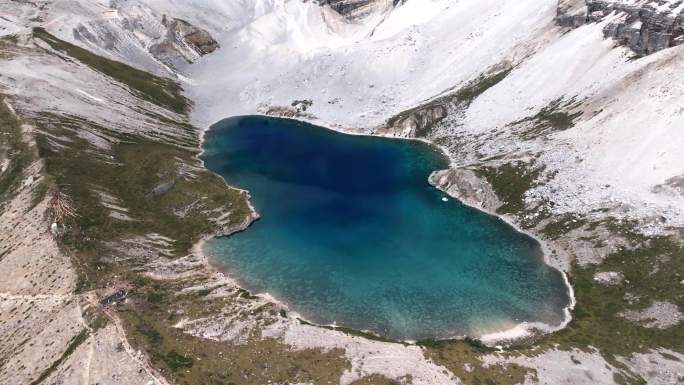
point(352, 233)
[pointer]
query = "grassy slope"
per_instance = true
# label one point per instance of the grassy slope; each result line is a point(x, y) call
point(131, 169)
point(653, 268)
point(653, 271)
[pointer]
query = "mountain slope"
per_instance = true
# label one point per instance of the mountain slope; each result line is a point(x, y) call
point(564, 119)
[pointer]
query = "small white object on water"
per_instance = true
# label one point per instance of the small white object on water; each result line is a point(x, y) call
point(445, 199)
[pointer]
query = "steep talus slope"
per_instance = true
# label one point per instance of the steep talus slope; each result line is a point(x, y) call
point(549, 124)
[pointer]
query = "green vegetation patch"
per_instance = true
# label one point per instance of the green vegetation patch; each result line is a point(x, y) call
point(653, 272)
point(463, 359)
point(14, 153)
point(474, 343)
point(563, 225)
point(552, 118)
point(478, 86)
point(510, 181)
point(160, 91)
point(177, 361)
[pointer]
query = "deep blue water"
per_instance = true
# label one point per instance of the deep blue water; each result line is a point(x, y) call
point(352, 233)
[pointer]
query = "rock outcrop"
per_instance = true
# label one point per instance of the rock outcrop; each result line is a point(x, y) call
point(355, 9)
point(154, 41)
point(183, 42)
point(572, 13)
point(418, 122)
point(645, 26)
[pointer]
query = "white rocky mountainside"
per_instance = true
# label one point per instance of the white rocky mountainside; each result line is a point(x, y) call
point(582, 98)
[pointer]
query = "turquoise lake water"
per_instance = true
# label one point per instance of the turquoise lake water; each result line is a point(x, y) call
point(352, 233)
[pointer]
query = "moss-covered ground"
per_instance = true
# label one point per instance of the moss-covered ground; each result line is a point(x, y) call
point(510, 182)
point(653, 271)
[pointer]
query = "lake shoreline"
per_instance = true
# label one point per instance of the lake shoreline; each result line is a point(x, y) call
point(515, 333)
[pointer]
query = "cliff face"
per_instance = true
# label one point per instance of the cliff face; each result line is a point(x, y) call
point(183, 43)
point(645, 26)
point(572, 13)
